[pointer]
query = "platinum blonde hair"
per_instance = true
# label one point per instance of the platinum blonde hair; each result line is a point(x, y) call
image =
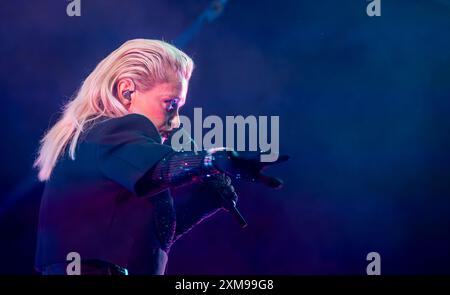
point(145, 62)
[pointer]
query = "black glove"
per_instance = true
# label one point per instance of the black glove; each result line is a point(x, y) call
point(221, 184)
point(245, 165)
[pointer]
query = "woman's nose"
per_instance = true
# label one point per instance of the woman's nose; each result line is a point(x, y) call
point(175, 121)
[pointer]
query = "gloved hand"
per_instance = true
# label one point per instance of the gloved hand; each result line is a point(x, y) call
point(244, 165)
point(221, 184)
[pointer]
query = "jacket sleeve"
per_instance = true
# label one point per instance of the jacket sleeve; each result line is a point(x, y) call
point(128, 148)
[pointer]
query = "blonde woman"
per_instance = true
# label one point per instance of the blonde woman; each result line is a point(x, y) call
point(108, 174)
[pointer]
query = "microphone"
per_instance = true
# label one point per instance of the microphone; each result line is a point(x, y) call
point(230, 206)
point(229, 197)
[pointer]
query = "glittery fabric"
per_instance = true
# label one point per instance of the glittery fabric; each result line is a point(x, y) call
point(165, 218)
point(174, 219)
point(213, 192)
point(180, 168)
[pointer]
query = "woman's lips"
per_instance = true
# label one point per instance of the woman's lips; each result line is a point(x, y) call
point(165, 133)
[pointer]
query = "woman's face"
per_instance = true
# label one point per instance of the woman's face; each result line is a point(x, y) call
point(161, 104)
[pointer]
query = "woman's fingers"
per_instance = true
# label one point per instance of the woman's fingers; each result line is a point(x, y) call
point(270, 181)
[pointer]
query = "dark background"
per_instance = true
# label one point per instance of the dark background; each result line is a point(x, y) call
point(364, 106)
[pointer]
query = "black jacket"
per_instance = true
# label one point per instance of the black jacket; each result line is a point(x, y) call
point(90, 205)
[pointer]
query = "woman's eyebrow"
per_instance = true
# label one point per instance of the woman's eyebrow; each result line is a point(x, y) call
point(170, 94)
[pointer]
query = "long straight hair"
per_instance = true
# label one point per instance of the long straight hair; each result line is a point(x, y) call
point(146, 62)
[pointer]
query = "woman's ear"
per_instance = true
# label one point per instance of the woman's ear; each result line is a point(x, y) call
point(125, 89)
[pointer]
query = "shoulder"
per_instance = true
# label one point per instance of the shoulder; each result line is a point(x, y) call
point(124, 128)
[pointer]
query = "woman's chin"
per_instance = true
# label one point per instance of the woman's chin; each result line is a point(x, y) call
point(164, 135)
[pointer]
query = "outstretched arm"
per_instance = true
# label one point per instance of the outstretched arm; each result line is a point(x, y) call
point(180, 168)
